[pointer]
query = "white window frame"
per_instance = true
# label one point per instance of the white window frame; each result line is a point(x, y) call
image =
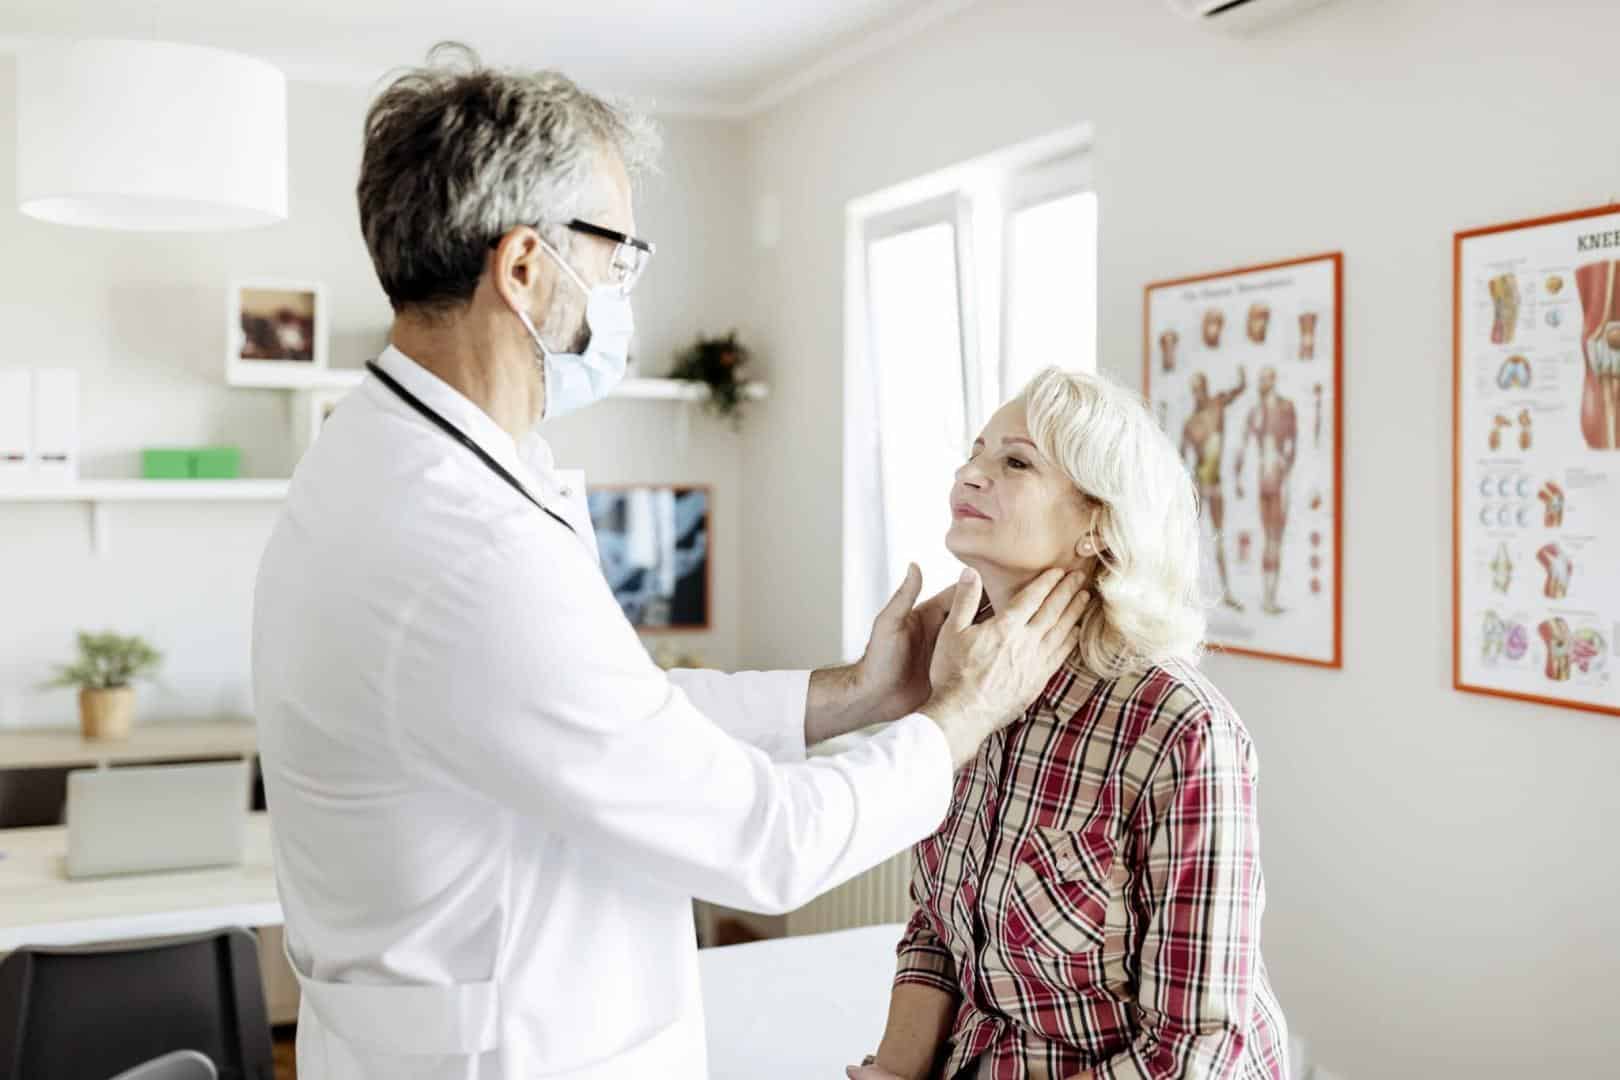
point(978, 197)
point(1070, 175)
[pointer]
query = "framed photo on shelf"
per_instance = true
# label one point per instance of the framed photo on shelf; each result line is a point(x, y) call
point(656, 543)
point(276, 333)
point(312, 410)
point(1244, 370)
point(1536, 460)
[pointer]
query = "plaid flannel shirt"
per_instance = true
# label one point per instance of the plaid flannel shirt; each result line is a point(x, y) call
point(1093, 897)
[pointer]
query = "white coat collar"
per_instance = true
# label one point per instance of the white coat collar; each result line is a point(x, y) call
point(451, 404)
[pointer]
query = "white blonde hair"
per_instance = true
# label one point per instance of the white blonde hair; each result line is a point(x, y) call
point(1146, 607)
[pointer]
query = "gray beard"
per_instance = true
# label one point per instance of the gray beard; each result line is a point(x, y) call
point(581, 337)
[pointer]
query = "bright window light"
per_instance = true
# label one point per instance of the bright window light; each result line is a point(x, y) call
point(1052, 288)
point(916, 334)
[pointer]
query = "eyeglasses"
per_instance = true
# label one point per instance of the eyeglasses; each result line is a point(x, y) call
point(631, 254)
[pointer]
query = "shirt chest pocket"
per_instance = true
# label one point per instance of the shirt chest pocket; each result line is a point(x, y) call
point(1061, 887)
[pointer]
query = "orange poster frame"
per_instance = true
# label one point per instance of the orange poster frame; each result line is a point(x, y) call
point(1458, 239)
point(1337, 259)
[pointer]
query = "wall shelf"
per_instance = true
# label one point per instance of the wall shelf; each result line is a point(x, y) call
point(149, 491)
point(348, 378)
point(291, 378)
point(678, 390)
point(97, 494)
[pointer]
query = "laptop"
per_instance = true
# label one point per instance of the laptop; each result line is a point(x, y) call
point(153, 818)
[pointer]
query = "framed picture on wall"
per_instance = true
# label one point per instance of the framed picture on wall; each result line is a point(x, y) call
point(276, 333)
point(655, 542)
point(1244, 370)
point(1536, 460)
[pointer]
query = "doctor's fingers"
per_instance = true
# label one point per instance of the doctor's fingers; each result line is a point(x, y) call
point(1026, 602)
point(934, 610)
point(904, 597)
point(965, 604)
point(1069, 621)
point(1055, 606)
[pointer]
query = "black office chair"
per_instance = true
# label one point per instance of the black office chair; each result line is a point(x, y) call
point(30, 798)
point(91, 1013)
point(180, 1065)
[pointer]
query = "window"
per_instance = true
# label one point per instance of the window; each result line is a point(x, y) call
point(916, 342)
point(1052, 301)
point(960, 287)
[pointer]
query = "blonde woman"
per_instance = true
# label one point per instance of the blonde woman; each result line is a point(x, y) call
point(1091, 905)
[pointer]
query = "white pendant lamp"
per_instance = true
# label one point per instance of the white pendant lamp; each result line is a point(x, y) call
point(150, 135)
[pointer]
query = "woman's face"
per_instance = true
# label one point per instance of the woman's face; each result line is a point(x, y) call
point(1012, 508)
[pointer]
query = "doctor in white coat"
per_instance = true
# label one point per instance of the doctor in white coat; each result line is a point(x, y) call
point(491, 810)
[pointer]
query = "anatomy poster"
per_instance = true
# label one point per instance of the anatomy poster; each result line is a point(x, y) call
point(1243, 370)
point(1536, 501)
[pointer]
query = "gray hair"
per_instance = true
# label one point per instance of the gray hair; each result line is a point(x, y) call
point(457, 153)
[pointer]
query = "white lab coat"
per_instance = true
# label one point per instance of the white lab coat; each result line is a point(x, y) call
point(491, 809)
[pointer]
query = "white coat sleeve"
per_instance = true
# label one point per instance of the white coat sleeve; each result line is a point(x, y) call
point(762, 708)
point(517, 679)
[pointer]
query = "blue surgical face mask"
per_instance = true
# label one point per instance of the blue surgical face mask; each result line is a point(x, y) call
point(575, 380)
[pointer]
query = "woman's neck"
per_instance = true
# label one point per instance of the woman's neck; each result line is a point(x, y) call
point(1001, 584)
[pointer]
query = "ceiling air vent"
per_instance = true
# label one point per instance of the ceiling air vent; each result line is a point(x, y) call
point(1241, 14)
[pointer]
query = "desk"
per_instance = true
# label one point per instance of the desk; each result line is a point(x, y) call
point(45, 748)
point(40, 906)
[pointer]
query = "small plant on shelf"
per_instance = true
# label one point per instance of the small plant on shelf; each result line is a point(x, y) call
point(105, 673)
point(719, 363)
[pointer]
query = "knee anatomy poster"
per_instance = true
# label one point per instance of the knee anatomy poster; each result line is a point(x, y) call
point(1244, 371)
point(1536, 497)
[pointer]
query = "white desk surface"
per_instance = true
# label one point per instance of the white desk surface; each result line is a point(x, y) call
point(40, 906)
point(37, 748)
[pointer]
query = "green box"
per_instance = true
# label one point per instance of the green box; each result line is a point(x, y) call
point(216, 463)
point(166, 464)
point(201, 463)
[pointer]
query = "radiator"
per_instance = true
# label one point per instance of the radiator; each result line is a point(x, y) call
point(881, 895)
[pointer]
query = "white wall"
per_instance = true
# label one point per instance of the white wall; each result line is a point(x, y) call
point(142, 318)
point(696, 283)
point(1444, 896)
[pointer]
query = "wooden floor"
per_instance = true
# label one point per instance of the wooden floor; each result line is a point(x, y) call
point(282, 1047)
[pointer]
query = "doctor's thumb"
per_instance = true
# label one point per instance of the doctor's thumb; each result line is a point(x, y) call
point(904, 598)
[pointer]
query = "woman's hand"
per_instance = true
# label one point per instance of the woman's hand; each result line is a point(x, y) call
point(870, 1070)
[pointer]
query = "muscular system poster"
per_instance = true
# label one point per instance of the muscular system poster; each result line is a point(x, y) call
point(1243, 370)
point(1536, 500)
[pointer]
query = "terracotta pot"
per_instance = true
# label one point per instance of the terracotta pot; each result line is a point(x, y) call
point(106, 714)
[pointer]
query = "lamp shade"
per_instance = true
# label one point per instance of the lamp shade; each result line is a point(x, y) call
point(150, 135)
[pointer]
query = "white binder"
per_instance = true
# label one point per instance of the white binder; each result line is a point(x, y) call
point(56, 425)
point(16, 426)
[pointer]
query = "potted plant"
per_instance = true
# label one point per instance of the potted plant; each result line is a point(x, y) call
point(719, 363)
point(107, 666)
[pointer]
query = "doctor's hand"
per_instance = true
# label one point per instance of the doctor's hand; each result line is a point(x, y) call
point(894, 669)
point(984, 676)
